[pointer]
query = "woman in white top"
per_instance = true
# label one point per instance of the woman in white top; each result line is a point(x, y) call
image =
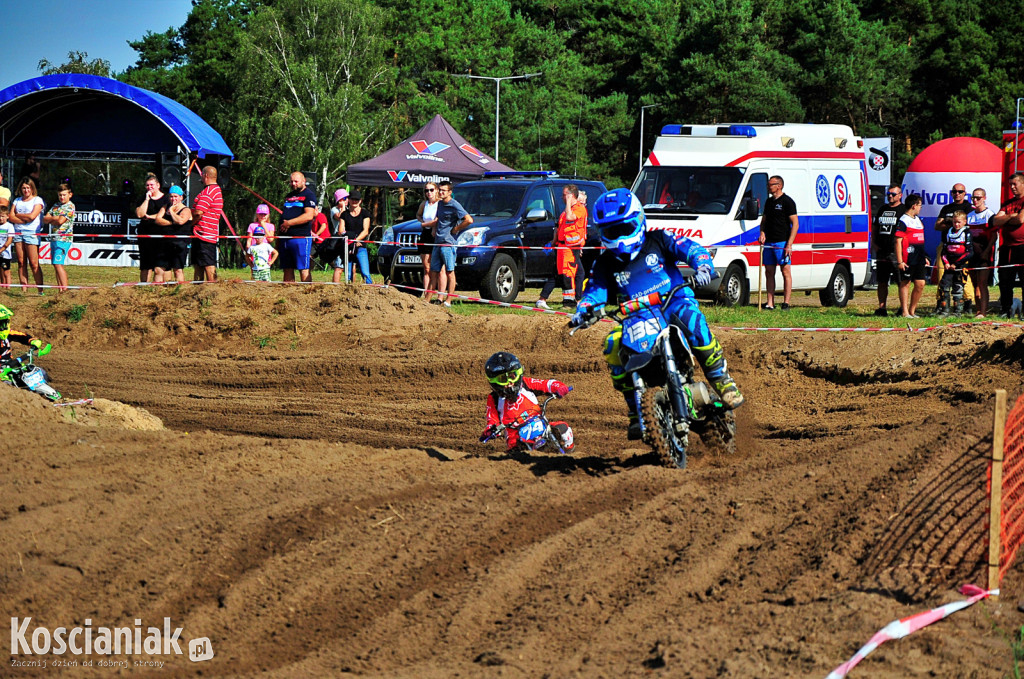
point(26, 215)
point(427, 215)
point(984, 247)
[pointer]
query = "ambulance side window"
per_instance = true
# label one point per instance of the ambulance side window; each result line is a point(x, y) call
point(757, 188)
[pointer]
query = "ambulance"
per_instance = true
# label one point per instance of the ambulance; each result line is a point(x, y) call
point(710, 182)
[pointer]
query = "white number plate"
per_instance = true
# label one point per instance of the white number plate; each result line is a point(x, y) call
point(409, 259)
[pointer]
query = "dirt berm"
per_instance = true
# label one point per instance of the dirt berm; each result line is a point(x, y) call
point(294, 474)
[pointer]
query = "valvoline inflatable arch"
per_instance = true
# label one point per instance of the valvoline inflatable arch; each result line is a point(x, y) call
point(970, 161)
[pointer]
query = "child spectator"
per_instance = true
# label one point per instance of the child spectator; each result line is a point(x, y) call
point(261, 255)
point(262, 220)
point(6, 239)
point(61, 216)
point(956, 252)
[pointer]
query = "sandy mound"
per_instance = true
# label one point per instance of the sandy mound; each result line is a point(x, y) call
point(319, 505)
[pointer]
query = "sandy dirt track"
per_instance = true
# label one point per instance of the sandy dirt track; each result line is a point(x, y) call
point(319, 506)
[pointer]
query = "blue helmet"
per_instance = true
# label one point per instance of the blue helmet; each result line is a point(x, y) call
point(620, 219)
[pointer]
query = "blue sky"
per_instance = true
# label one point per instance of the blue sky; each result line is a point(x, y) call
point(101, 28)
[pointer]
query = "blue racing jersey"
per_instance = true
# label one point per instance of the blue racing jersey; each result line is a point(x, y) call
point(654, 269)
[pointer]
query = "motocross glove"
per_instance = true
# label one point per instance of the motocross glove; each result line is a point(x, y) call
point(560, 391)
point(488, 433)
point(703, 276)
point(38, 344)
point(548, 247)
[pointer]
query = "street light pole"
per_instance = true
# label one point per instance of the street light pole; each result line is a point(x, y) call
point(497, 98)
point(642, 109)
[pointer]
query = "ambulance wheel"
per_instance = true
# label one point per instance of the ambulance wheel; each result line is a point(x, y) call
point(840, 288)
point(734, 289)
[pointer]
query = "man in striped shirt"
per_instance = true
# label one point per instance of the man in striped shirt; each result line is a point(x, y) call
point(207, 211)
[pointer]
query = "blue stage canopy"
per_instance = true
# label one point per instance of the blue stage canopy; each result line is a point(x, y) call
point(77, 112)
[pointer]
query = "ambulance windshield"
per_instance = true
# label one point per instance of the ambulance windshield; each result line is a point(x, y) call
point(697, 190)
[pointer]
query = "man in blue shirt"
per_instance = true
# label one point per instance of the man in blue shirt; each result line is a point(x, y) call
point(296, 227)
point(452, 218)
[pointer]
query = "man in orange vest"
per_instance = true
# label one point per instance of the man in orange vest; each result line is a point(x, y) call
point(569, 240)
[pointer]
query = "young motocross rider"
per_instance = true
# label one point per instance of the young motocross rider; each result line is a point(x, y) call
point(514, 397)
point(636, 263)
point(7, 336)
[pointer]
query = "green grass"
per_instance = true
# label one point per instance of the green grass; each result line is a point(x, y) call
point(76, 312)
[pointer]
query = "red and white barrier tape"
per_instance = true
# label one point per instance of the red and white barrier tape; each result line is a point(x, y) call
point(898, 629)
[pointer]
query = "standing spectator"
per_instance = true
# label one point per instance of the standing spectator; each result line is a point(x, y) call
point(451, 219)
point(883, 241)
point(956, 252)
point(427, 216)
point(26, 214)
point(151, 249)
point(178, 220)
point(340, 205)
point(911, 258)
point(206, 226)
point(6, 241)
point(262, 220)
point(779, 226)
point(296, 224)
point(5, 193)
point(61, 216)
point(338, 226)
point(569, 239)
point(984, 241)
point(261, 255)
point(958, 203)
point(1010, 221)
point(31, 169)
point(357, 228)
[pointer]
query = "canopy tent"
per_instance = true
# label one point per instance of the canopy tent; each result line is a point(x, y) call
point(435, 152)
point(78, 116)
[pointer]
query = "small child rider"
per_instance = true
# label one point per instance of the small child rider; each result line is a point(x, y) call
point(7, 336)
point(957, 249)
point(514, 397)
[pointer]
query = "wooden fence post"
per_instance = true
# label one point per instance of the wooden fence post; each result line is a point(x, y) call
point(996, 494)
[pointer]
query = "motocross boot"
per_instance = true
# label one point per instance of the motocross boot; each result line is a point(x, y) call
point(942, 308)
point(712, 361)
point(958, 306)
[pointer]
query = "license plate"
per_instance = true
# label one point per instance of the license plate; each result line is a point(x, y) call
point(409, 259)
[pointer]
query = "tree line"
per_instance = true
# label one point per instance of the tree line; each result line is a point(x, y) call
point(321, 84)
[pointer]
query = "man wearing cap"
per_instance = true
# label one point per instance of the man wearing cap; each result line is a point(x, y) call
point(341, 197)
point(208, 208)
point(296, 228)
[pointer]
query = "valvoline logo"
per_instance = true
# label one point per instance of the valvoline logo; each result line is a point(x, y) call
point(397, 176)
point(432, 148)
point(468, 148)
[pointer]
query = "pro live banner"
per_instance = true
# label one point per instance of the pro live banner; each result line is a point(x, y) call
point(94, 254)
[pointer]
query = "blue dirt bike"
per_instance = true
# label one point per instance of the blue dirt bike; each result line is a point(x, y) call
point(660, 365)
point(22, 372)
point(535, 430)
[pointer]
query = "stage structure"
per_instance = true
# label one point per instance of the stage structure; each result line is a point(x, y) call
point(73, 117)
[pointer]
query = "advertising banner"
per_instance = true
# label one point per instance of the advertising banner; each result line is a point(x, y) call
point(878, 152)
point(94, 254)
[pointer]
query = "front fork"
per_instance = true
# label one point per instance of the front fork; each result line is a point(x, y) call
point(674, 385)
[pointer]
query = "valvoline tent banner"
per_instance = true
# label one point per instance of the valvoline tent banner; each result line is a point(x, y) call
point(969, 161)
point(434, 153)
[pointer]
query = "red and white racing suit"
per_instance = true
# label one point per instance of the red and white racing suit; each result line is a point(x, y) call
point(501, 410)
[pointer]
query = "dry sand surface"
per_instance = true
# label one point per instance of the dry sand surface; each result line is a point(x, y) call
point(319, 506)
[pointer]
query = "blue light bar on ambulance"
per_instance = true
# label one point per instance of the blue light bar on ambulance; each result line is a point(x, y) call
point(710, 130)
point(524, 173)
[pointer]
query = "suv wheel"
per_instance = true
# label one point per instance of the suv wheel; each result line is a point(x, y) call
point(501, 283)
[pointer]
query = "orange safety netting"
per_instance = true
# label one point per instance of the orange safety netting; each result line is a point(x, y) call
point(1011, 528)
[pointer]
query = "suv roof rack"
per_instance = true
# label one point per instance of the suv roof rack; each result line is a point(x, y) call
point(518, 173)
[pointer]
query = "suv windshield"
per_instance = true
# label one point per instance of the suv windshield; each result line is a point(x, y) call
point(701, 190)
point(490, 200)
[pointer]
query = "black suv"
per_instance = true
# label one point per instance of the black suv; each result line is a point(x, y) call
point(510, 210)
